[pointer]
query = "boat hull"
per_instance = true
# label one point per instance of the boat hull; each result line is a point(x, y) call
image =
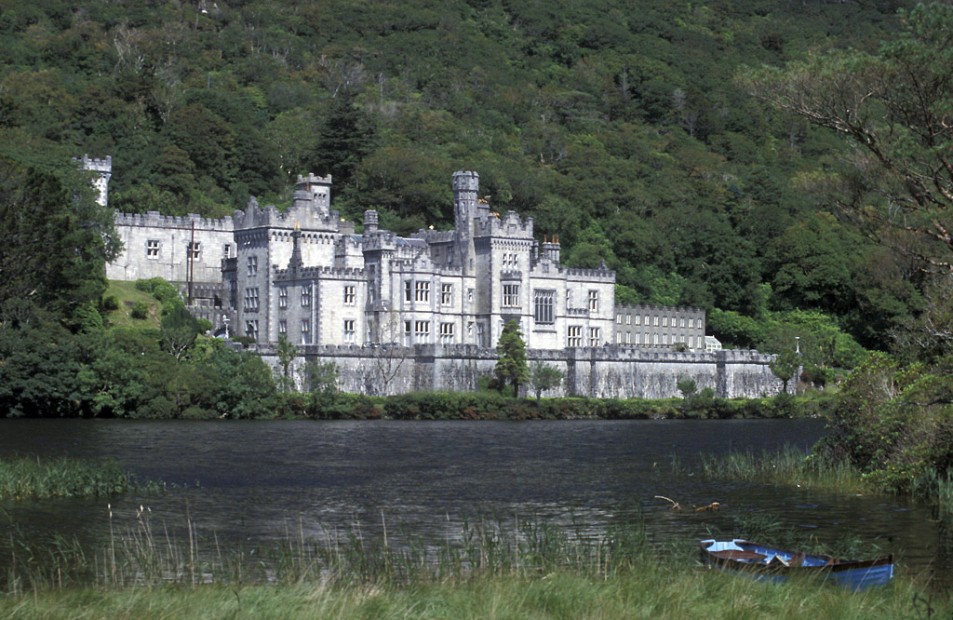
point(771, 564)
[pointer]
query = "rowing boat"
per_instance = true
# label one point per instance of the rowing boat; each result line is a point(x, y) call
point(771, 564)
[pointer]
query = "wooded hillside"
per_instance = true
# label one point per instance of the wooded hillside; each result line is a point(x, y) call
point(618, 125)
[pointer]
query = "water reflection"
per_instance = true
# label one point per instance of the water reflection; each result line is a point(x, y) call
point(256, 481)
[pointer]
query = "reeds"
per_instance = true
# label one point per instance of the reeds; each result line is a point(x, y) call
point(786, 466)
point(138, 554)
point(30, 478)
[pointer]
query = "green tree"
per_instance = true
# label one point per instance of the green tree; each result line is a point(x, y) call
point(896, 107)
point(544, 377)
point(179, 329)
point(286, 352)
point(785, 366)
point(322, 382)
point(511, 366)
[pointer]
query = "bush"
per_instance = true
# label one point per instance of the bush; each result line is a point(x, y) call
point(140, 311)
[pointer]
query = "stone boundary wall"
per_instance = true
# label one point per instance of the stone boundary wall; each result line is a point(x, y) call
point(600, 372)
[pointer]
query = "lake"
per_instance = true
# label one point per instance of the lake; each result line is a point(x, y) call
point(256, 481)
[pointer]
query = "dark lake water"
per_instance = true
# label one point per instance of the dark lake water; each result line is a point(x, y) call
point(255, 481)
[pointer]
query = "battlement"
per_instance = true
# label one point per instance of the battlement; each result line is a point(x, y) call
point(510, 225)
point(434, 236)
point(302, 215)
point(598, 274)
point(92, 164)
point(153, 219)
point(656, 309)
point(466, 180)
point(309, 273)
point(312, 179)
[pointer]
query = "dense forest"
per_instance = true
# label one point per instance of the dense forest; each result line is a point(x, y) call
point(619, 126)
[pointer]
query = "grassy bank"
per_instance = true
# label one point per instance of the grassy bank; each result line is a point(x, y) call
point(30, 478)
point(650, 590)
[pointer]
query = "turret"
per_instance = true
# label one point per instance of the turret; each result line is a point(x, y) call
point(370, 221)
point(103, 168)
point(313, 191)
point(466, 185)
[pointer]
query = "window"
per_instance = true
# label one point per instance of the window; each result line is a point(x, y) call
point(283, 297)
point(349, 330)
point(595, 337)
point(349, 295)
point(227, 250)
point(683, 322)
point(408, 290)
point(574, 336)
point(407, 331)
point(543, 305)
point(252, 265)
point(656, 321)
point(421, 331)
point(282, 326)
point(511, 295)
point(470, 295)
point(422, 291)
point(568, 299)
point(638, 319)
point(593, 301)
point(251, 329)
point(446, 333)
point(305, 296)
point(628, 337)
point(305, 331)
point(194, 250)
point(618, 319)
point(628, 319)
point(251, 300)
point(664, 321)
point(446, 294)
point(152, 248)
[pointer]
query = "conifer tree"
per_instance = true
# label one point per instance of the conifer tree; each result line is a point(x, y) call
point(511, 366)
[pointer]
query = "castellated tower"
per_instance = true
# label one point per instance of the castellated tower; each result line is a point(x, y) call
point(104, 170)
point(466, 185)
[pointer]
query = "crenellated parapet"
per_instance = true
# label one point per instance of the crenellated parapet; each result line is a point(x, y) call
point(510, 225)
point(435, 236)
point(153, 219)
point(379, 240)
point(301, 215)
point(323, 273)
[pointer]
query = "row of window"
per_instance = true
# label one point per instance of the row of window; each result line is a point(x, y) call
point(654, 320)
point(193, 249)
point(574, 336)
point(349, 297)
point(658, 339)
point(419, 291)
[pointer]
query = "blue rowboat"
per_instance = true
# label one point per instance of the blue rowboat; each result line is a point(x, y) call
point(771, 564)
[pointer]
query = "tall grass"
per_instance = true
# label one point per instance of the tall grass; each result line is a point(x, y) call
point(786, 466)
point(31, 478)
point(142, 555)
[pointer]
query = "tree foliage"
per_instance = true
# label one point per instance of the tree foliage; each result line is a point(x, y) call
point(511, 365)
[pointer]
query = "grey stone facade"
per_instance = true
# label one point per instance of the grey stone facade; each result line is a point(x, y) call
point(424, 312)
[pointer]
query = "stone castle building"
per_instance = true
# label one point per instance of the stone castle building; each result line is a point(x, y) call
point(372, 300)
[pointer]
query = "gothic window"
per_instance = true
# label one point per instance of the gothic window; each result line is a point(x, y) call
point(543, 307)
point(305, 331)
point(349, 331)
point(574, 336)
point(251, 300)
point(252, 265)
point(446, 294)
point(282, 326)
point(408, 290)
point(305, 297)
point(152, 248)
point(422, 291)
point(446, 333)
point(511, 295)
point(618, 319)
point(283, 297)
point(595, 336)
point(593, 301)
point(251, 329)
point(349, 295)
